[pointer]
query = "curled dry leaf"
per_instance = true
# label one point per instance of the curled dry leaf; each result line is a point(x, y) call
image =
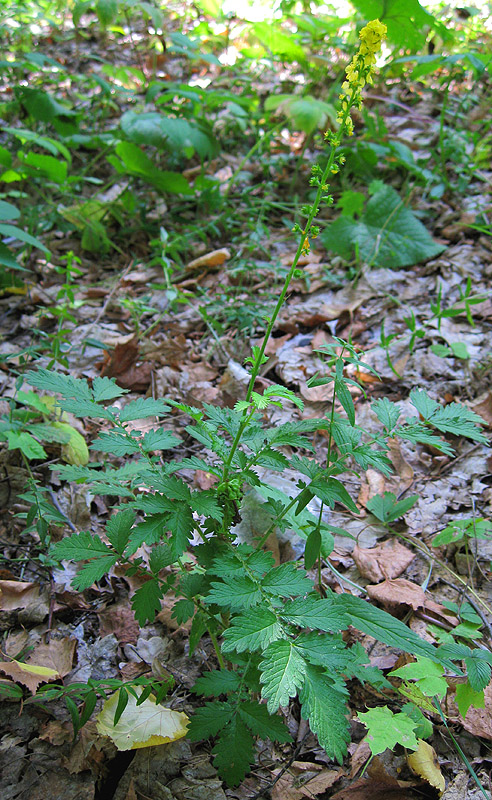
point(387, 560)
point(395, 593)
point(213, 259)
point(17, 594)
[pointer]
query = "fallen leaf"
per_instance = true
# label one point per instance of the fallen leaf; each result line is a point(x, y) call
point(119, 360)
point(17, 594)
point(120, 620)
point(57, 733)
point(30, 675)
point(425, 764)
point(396, 593)
point(213, 259)
point(484, 409)
point(145, 725)
point(295, 787)
point(57, 655)
point(368, 789)
point(387, 560)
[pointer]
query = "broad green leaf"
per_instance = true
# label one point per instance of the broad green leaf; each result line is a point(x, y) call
point(323, 704)
point(53, 168)
point(466, 697)
point(22, 236)
point(331, 491)
point(252, 630)
point(75, 450)
point(143, 725)
point(406, 20)
point(8, 211)
point(386, 729)
point(428, 676)
point(478, 672)
point(26, 443)
point(106, 11)
point(387, 235)
point(387, 509)
point(282, 673)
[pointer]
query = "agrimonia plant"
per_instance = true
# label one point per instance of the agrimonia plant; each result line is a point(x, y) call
point(277, 633)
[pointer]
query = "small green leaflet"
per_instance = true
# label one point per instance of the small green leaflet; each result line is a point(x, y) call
point(316, 612)
point(217, 682)
point(26, 443)
point(118, 529)
point(428, 676)
point(143, 407)
point(235, 593)
point(287, 580)
point(323, 705)
point(453, 418)
point(146, 601)
point(80, 547)
point(252, 630)
point(106, 389)
point(387, 509)
point(386, 729)
point(234, 751)
point(263, 724)
point(331, 491)
point(466, 697)
point(209, 720)
point(478, 669)
point(159, 440)
point(115, 443)
point(282, 673)
point(387, 413)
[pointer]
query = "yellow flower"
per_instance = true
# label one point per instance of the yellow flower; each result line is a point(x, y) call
point(359, 71)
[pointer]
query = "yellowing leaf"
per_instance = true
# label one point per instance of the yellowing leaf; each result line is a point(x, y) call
point(141, 726)
point(30, 675)
point(425, 764)
point(75, 450)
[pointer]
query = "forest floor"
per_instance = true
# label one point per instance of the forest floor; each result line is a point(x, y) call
point(189, 344)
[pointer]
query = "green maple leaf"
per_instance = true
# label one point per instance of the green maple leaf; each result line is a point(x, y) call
point(386, 729)
point(427, 675)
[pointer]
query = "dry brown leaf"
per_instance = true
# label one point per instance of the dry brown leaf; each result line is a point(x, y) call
point(387, 560)
point(359, 757)
point(165, 614)
point(296, 787)
point(399, 592)
point(120, 620)
point(369, 789)
point(119, 360)
point(484, 409)
point(403, 470)
point(374, 483)
point(17, 594)
point(57, 733)
point(213, 259)
point(57, 654)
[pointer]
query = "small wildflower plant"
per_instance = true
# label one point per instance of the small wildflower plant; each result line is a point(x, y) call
point(275, 629)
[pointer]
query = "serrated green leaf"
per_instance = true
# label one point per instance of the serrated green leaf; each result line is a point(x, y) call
point(106, 389)
point(332, 491)
point(160, 557)
point(159, 440)
point(233, 752)
point(206, 503)
point(387, 509)
point(118, 528)
point(142, 408)
point(146, 601)
point(263, 724)
point(428, 676)
point(323, 650)
point(235, 593)
point(89, 573)
point(387, 412)
point(68, 387)
point(79, 547)
point(316, 612)
point(478, 673)
point(385, 628)
point(115, 443)
point(386, 729)
point(252, 630)
point(323, 705)
point(287, 580)
point(282, 673)
point(183, 610)
point(209, 720)
point(466, 697)
point(217, 682)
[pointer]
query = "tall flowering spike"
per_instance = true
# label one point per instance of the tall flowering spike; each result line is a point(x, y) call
point(359, 71)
